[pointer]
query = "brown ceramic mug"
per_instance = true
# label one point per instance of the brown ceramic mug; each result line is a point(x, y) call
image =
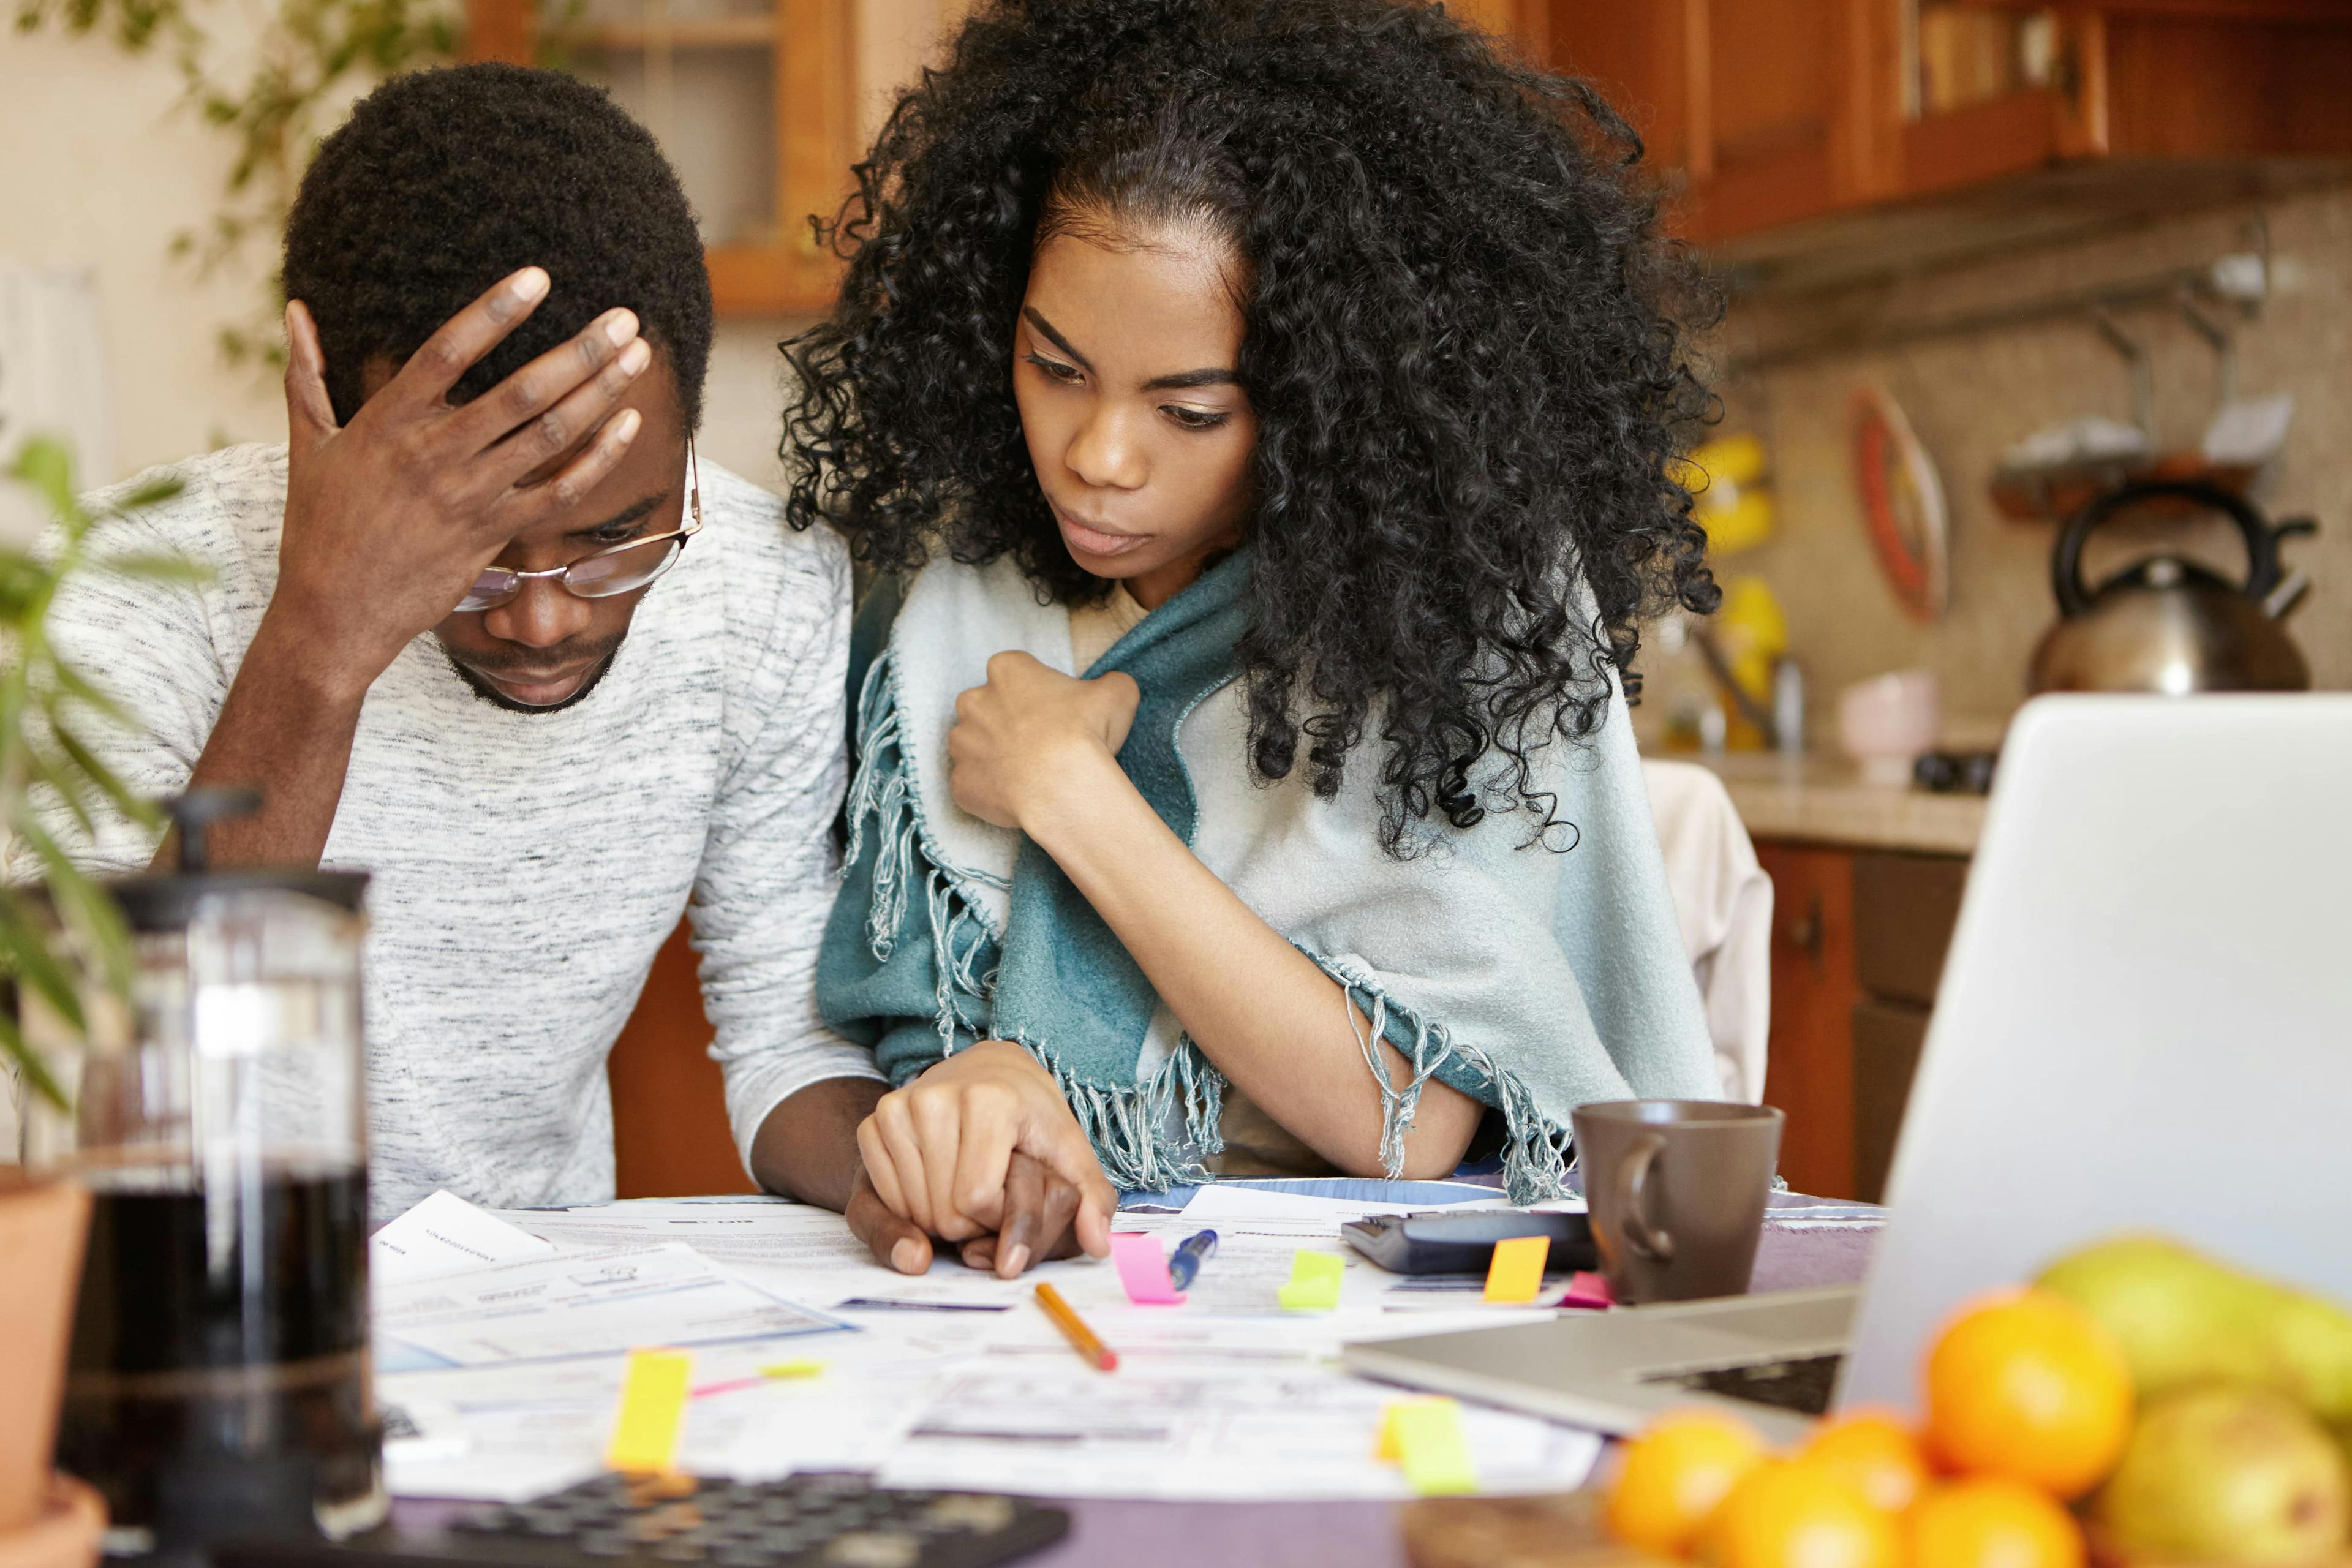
point(1677, 1189)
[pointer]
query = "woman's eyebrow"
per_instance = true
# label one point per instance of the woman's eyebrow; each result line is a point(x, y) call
point(1192, 378)
point(1206, 376)
point(1029, 313)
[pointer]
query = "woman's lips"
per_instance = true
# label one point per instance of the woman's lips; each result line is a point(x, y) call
point(1088, 541)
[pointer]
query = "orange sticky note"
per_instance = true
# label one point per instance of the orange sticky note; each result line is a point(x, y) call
point(652, 1416)
point(1517, 1273)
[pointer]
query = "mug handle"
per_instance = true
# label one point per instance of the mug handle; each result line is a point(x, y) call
point(1633, 1180)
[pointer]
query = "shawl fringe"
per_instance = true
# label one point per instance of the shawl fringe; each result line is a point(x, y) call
point(1128, 1126)
point(904, 855)
point(1535, 1149)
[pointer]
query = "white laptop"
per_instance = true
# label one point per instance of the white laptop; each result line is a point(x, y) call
point(2145, 1023)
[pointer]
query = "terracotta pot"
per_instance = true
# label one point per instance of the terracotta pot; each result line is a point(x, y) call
point(42, 1225)
point(65, 1533)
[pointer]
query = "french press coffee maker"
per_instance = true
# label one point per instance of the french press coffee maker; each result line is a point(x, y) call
point(219, 1384)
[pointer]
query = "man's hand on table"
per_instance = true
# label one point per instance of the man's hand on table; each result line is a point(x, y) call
point(939, 1150)
point(807, 1149)
point(1036, 1222)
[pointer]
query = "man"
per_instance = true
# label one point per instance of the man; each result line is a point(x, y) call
point(487, 630)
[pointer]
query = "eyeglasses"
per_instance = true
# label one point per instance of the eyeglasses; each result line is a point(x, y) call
point(623, 569)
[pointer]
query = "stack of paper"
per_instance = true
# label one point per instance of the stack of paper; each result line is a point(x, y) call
point(503, 1340)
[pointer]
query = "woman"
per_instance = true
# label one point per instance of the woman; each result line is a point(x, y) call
point(1274, 405)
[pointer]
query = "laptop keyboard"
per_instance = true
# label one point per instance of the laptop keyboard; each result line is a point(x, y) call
point(1802, 1384)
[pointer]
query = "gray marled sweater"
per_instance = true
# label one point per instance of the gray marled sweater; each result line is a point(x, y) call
point(527, 866)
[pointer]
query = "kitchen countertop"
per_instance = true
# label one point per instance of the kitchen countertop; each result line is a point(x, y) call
point(1822, 799)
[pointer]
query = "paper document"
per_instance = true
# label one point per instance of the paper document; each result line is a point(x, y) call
point(746, 1230)
point(1231, 1431)
point(1231, 1205)
point(522, 1429)
point(800, 1251)
point(445, 1235)
point(583, 1304)
point(506, 1375)
point(1349, 1189)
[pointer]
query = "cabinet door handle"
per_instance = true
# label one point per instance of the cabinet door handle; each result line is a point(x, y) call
point(1806, 933)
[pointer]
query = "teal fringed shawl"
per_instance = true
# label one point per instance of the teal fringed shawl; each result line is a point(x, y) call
point(1532, 980)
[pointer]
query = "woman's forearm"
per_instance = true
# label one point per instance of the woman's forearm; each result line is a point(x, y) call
point(1271, 1021)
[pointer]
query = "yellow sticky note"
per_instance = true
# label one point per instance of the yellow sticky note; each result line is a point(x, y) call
point(1517, 1273)
point(653, 1412)
point(1314, 1282)
point(792, 1369)
point(1430, 1444)
point(1390, 1449)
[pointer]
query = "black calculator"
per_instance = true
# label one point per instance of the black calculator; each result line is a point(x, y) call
point(660, 1521)
point(1446, 1241)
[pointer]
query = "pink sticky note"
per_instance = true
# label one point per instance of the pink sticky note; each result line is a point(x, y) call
point(1588, 1290)
point(1142, 1263)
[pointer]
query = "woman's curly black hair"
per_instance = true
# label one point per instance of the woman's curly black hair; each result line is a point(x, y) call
point(1461, 340)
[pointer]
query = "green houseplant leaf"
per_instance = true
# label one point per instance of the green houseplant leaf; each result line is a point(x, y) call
point(60, 946)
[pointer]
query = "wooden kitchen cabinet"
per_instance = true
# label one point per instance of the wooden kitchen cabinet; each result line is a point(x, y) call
point(753, 100)
point(1905, 908)
point(1858, 945)
point(670, 1133)
point(1760, 107)
point(1910, 128)
point(1809, 1073)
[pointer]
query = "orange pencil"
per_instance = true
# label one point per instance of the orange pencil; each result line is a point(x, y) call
point(1082, 1337)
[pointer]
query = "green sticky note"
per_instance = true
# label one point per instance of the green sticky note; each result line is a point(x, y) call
point(1428, 1435)
point(1314, 1282)
point(792, 1369)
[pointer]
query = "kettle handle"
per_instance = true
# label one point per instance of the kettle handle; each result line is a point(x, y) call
point(2262, 540)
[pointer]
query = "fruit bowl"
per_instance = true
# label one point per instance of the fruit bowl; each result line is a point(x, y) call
point(1560, 1530)
point(1566, 1531)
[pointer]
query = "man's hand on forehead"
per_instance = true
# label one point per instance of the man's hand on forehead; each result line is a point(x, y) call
point(390, 518)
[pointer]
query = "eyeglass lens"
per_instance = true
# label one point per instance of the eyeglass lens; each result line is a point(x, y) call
point(596, 577)
point(602, 576)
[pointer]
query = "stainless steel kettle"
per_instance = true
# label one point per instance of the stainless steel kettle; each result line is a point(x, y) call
point(2169, 625)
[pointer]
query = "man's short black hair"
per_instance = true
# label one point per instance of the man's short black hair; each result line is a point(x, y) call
point(443, 181)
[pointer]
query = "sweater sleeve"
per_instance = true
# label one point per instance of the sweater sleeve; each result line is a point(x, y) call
point(768, 873)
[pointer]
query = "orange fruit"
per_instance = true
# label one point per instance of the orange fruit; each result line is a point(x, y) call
point(2029, 1386)
point(1794, 1514)
point(1877, 1452)
point(1671, 1477)
point(1992, 1522)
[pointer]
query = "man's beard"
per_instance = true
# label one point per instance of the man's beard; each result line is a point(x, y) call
point(496, 699)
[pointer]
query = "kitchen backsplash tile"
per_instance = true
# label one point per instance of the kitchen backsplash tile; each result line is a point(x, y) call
point(1971, 399)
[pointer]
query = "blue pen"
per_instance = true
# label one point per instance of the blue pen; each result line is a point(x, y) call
point(1189, 1257)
